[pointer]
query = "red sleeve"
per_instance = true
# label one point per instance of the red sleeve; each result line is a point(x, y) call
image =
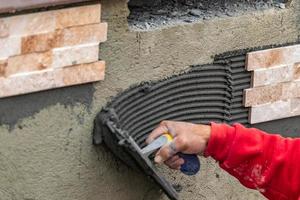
point(268, 163)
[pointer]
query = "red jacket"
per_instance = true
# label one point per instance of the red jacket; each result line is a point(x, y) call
point(268, 163)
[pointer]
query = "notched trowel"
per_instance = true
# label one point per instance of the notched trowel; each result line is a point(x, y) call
point(106, 130)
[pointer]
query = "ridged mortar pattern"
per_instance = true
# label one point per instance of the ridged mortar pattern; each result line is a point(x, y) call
point(205, 93)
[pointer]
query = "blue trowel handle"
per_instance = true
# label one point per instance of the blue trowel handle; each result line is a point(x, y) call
point(191, 164)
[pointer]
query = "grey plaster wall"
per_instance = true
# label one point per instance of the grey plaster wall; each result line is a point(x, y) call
point(46, 150)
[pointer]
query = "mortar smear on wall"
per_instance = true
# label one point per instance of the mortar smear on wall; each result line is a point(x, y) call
point(51, 49)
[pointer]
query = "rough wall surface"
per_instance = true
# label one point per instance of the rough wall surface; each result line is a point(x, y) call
point(46, 151)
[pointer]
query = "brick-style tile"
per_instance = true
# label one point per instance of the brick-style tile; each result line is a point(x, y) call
point(9, 47)
point(73, 55)
point(297, 71)
point(263, 95)
point(77, 16)
point(262, 77)
point(291, 90)
point(82, 73)
point(3, 64)
point(51, 78)
point(28, 24)
point(4, 30)
point(68, 37)
point(49, 21)
point(273, 57)
point(295, 106)
point(40, 42)
point(270, 111)
point(28, 63)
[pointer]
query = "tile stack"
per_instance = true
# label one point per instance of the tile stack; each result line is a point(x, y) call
point(275, 91)
point(50, 49)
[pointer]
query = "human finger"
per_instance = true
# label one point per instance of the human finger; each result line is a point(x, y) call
point(160, 130)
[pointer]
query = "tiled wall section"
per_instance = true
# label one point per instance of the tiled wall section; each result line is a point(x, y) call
point(275, 91)
point(50, 49)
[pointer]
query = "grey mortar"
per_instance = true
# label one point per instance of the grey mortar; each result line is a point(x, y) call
point(52, 157)
point(146, 14)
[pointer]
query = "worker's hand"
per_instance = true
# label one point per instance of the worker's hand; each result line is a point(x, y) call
point(187, 138)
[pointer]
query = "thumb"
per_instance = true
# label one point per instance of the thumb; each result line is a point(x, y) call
point(168, 150)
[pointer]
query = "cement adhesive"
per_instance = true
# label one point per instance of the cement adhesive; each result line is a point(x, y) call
point(203, 94)
point(145, 14)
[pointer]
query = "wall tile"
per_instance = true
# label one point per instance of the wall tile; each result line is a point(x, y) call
point(24, 25)
point(291, 90)
point(78, 16)
point(295, 106)
point(9, 47)
point(297, 71)
point(3, 64)
point(68, 37)
point(51, 78)
point(263, 95)
point(73, 55)
point(28, 62)
point(49, 21)
point(262, 77)
point(273, 57)
point(270, 111)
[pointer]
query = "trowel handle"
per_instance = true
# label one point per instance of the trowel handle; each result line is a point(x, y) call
point(191, 164)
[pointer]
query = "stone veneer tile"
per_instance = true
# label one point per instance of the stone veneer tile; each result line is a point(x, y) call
point(28, 62)
point(297, 71)
point(9, 47)
point(68, 37)
point(73, 55)
point(263, 95)
point(89, 14)
point(291, 90)
point(27, 24)
point(51, 78)
point(295, 106)
point(49, 21)
point(273, 57)
point(3, 64)
point(262, 77)
point(270, 111)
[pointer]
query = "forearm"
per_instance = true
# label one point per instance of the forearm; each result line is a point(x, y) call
point(269, 163)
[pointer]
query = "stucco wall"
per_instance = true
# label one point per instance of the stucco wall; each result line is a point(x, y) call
point(46, 150)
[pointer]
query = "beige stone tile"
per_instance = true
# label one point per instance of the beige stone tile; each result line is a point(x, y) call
point(40, 42)
point(295, 106)
point(279, 74)
point(89, 14)
point(270, 111)
point(4, 29)
point(291, 90)
point(73, 55)
point(23, 83)
point(93, 33)
point(3, 64)
point(297, 71)
point(27, 24)
point(82, 73)
point(9, 47)
point(49, 21)
point(273, 57)
point(262, 95)
point(28, 62)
